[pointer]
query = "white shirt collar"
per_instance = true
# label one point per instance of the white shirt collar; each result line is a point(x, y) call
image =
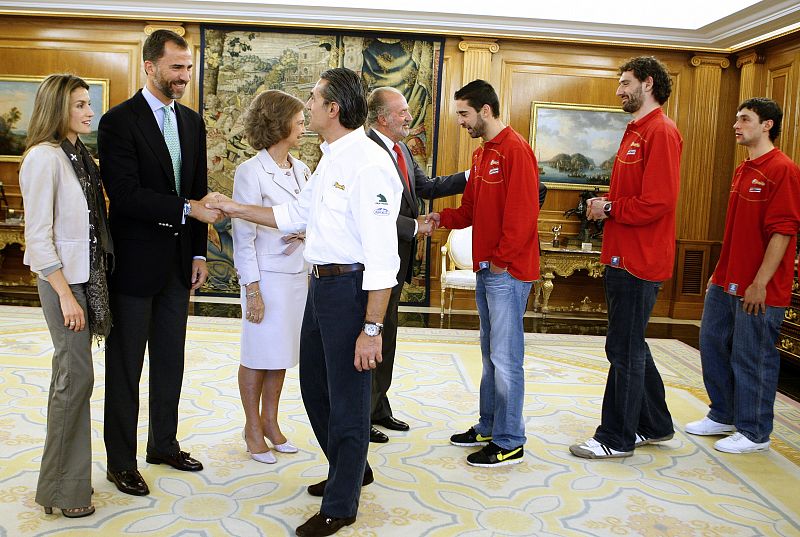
point(153, 101)
point(342, 143)
point(385, 139)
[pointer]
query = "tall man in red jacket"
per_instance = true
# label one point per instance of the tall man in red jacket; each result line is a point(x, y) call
point(751, 287)
point(501, 203)
point(638, 251)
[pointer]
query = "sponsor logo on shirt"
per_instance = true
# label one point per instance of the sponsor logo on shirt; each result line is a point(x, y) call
point(494, 163)
point(494, 171)
point(338, 185)
point(381, 200)
point(732, 288)
point(614, 260)
point(635, 144)
point(631, 152)
point(755, 189)
point(759, 183)
point(381, 211)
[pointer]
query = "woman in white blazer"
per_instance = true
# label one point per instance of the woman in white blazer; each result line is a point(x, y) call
point(67, 243)
point(271, 268)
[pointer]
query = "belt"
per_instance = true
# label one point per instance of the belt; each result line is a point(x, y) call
point(335, 270)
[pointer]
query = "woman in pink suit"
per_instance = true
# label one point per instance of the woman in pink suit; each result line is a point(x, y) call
point(272, 271)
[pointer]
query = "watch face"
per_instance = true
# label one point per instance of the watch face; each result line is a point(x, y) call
point(371, 330)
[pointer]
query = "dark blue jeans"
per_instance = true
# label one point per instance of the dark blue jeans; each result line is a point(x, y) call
point(740, 363)
point(335, 394)
point(634, 398)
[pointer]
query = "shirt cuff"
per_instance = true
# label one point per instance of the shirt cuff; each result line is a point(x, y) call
point(45, 272)
point(416, 227)
point(200, 257)
point(466, 173)
point(375, 280)
point(282, 218)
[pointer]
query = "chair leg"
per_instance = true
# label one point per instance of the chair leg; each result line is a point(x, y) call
point(450, 306)
point(441, 300)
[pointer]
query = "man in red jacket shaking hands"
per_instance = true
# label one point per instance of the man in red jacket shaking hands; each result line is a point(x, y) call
point(638, 252)
point(501, 202)
point(751, 287)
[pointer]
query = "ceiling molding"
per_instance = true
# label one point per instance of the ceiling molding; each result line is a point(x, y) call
point(763, 21)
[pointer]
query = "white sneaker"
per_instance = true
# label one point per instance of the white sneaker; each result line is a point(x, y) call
point(592, 449)
point(642, 440)
point(707, 427)
point(739, 443)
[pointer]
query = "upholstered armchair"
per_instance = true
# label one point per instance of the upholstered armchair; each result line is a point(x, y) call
point(457, 265)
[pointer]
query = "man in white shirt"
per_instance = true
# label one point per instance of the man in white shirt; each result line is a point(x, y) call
point(349, 210)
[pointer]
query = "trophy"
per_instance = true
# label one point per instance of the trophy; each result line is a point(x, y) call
point(556, 233)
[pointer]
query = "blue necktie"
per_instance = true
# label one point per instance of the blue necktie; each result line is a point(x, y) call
point(173, 145)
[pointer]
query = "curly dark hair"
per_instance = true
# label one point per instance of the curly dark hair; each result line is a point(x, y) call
point(765, 109)
point(648, 66)
point(268, 119)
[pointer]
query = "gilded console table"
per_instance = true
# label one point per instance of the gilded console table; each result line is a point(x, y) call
point(10, 234)
point(564, 261)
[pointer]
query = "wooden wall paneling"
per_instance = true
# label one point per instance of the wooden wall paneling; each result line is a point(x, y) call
point(781, 89)
point(477, 62)
point(751, 84)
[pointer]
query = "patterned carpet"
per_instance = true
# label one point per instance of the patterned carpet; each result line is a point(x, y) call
point(423, 486)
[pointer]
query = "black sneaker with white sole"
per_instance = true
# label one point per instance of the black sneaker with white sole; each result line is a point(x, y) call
point(469, 439)
point(494, 455)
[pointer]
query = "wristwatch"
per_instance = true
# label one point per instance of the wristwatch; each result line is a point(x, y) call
point(372, 329)
point(607, 209)
point(187, 208)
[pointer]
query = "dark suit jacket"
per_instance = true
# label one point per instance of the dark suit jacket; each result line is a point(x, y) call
point(421, 186)
point(146, 211)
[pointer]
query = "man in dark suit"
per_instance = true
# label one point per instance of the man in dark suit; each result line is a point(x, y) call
point(153, 158)
point(389, 121)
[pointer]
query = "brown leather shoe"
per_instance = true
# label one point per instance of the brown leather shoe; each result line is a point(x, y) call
point(129, 481)
point(180, 461)
point(318, 489)
point(377, 437)
point(321, 525)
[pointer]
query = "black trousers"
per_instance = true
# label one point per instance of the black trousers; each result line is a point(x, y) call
point(158, 322)
point(382, 375)
point(335, 394)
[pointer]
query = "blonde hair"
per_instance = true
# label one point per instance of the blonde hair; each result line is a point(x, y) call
point(50, 117)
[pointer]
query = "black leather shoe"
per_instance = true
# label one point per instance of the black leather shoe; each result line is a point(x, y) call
point(390, 422)
point(377, 437)
point(321, 525)
point(129, 481)
point(318, 489)
point(180, 461)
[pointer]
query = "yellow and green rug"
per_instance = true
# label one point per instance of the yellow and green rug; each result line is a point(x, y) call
point(423, 486)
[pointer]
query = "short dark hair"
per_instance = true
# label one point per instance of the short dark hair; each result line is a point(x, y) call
point(153, 47)
point(645, 66)
point(478, 93)
point(765, 109)
point(344, 88)
point(268, 119)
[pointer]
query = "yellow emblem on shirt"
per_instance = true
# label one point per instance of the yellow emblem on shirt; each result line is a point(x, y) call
point(338, 185)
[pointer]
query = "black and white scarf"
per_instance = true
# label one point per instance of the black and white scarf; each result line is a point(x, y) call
point(101, 251)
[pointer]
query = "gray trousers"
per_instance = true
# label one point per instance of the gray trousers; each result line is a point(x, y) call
point(65, 477)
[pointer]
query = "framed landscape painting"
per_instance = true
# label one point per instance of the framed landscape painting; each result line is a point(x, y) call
point(17, 94)
point(575, 145)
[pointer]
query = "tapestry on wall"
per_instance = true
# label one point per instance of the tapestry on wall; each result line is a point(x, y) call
point(239, 64)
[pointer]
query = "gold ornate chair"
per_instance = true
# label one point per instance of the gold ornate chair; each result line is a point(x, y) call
point(457, 265)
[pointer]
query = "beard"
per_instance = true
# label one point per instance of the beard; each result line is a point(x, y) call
point(634, 102)
point(479, 129)
point(166, 87)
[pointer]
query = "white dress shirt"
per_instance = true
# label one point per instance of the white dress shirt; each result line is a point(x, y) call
point(349, 210)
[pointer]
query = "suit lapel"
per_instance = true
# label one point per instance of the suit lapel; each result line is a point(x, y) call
point(277, 175)
point(407, 194)
point(187, 148)
point(146, 123)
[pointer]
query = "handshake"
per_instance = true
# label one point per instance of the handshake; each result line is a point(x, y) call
point(209, 209)
point(427, 224)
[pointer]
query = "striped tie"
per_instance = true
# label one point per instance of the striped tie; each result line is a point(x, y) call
point(173, 145)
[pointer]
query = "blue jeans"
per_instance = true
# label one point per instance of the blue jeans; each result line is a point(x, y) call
point(634, 399)
point(501, 300)
point(335, 394)
point(740, 363)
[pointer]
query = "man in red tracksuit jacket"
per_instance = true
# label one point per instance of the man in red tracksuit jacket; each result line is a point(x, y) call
point(501, 203)
point(638, 252)
point(751, 287)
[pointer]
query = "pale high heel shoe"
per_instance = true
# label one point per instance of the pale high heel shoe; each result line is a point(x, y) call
point(267, 457)
point(286, 447)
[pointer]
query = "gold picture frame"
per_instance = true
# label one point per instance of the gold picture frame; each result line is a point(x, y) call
point(17, 94)
point(576, 145)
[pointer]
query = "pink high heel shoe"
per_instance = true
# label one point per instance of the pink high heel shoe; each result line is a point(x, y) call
point(267, 457)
